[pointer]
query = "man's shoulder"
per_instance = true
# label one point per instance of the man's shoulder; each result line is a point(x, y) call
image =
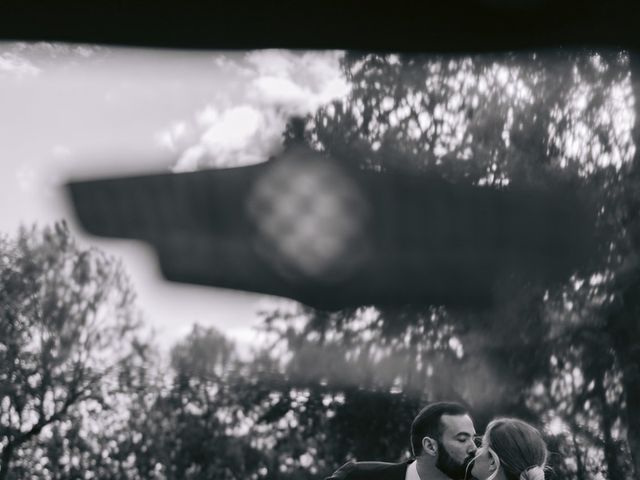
point(370, 471)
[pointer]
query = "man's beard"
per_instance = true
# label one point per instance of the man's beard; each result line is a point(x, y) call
point(450, 467)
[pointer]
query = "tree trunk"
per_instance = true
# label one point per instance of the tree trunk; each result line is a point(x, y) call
point(626, 332)
point(580, 472)
point(5, 460)
point(611, 452)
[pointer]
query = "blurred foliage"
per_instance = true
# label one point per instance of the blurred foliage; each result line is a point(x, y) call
point(67, 327)
point(326, 387)
point(561, 356)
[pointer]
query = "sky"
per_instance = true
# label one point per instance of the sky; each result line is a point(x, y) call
point(72, 111)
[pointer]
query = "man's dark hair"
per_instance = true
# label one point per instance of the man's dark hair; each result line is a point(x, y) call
point(427, 423)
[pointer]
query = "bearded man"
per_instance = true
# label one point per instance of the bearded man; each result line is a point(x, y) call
point(442, 442)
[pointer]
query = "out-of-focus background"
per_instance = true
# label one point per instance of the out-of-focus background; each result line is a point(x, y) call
point(106, 371)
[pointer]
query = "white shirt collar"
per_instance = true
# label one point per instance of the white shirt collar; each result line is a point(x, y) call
point(412, 472)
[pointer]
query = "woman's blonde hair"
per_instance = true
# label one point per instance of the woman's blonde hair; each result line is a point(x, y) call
point(518, 447)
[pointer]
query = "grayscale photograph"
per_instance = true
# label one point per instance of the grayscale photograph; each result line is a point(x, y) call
point(336, 263)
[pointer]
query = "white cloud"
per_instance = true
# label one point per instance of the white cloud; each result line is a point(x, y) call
point(85, 51)
point(52, 50)
point(279, 84)
point(298, 82)
point(271, 62)
point(241, 135)
point(13, 64)
point(207, 116)
point(234, 128)
point(31, 58)
point(177, 136)
point(190, 160)
point(280, 91)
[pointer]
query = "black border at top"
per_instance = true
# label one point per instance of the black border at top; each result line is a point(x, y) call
point(396, 25)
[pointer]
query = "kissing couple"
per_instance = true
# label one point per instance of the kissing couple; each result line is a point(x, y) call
point(445, 447)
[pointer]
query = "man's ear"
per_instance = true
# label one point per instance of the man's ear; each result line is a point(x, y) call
point(430, 446)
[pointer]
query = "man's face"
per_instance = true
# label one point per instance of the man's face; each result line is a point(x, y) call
point(456, 446)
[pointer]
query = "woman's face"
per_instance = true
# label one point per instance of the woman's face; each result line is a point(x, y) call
point(484, 464)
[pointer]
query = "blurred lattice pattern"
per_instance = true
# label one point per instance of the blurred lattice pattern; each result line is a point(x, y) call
point(310, 218)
